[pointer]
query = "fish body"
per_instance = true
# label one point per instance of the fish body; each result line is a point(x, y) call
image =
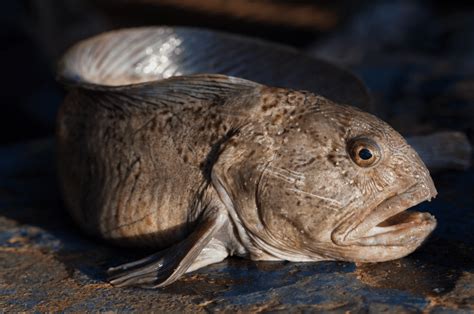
point(205, 166)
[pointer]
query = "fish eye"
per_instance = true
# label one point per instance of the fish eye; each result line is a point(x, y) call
point(364, 152)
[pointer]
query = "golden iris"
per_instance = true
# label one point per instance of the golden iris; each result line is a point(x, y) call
point(364, 151)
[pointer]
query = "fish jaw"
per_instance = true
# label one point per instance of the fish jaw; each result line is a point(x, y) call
point(389, 230)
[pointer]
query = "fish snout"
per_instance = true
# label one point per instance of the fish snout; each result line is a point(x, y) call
point(389, 228)
point(430, 187)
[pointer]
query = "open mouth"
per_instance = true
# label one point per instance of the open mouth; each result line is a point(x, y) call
point(405, 228)
point(391, 224)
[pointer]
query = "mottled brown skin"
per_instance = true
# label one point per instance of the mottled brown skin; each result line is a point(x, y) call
point(206, 166)
point(140, 171)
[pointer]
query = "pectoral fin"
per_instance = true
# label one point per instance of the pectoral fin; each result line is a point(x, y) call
point(167, 266)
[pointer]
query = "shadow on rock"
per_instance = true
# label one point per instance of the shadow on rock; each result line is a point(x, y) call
point(431, 271)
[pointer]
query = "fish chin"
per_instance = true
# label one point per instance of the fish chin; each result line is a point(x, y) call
point(389, 231)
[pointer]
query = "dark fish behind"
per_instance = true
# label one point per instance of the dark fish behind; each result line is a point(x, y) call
point(206, 166)
point(139, 55)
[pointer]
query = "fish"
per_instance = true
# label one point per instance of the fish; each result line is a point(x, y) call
point(199, 166)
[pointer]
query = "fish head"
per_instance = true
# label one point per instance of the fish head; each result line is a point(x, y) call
point(335, 184)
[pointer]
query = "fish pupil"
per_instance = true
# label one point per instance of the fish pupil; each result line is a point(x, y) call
point(365, 154)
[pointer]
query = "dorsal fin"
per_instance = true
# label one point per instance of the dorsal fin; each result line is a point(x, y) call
point(173, 91)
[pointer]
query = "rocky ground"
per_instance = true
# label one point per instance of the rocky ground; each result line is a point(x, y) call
point(416, 60)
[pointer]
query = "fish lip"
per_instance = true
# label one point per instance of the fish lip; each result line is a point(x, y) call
point(411, 230)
